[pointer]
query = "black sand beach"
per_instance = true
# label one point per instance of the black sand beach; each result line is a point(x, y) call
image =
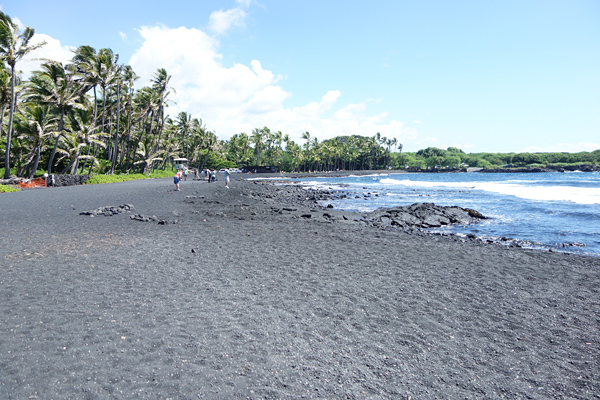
point(236, 293)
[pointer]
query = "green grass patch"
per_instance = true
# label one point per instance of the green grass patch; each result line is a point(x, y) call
point(8, 189)
point(96, 179)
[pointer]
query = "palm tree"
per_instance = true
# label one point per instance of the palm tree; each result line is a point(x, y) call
point(268, 139)
point(184, 123)
point(34, 124)
point(89, 67)
point(115, 152)
point(160, 84)
point(240, 145)
point(81, 123)
point(130, 77)
point(14, 45)
point(306, 136)
point(277, 140)
point(257, 139)
point(5, 83)
point(147, 155)
point(145, 101)
point(56, 85)
point(105, 65)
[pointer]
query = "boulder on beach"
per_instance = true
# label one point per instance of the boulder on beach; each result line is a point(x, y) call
point(424, 215)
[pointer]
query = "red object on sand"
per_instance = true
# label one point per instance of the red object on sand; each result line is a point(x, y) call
point(37, 182)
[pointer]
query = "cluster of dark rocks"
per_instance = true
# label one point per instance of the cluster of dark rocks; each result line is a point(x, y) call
point(423, 215)
point(288, 193)
point(108, 210)
point(57, 180)
point(13, 180)
point(416, 216)
point(152, 218)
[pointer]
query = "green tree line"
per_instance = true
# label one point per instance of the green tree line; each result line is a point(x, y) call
point(453, 157)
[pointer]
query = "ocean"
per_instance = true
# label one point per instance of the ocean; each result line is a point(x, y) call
point(559, 211)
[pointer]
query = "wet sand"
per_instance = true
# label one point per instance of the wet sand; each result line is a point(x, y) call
point(239, 294)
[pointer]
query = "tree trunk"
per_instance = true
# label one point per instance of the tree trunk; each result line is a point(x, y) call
point(93, 129)
point(13, 103)
point(75, 162)
point(116, 146)
point(35, 163)
point(60, 126)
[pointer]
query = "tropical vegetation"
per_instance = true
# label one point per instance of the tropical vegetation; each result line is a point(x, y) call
point(87, 117)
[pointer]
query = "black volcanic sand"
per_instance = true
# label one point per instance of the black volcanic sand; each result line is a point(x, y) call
point(238, 294)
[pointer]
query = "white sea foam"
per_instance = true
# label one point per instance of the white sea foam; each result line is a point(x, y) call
point(545, 193)
point(407, 182)
point(526, 191)
point(278, 178)
point(367, 176)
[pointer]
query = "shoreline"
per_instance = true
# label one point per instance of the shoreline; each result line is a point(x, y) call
point(323, 195)
point(240, 296)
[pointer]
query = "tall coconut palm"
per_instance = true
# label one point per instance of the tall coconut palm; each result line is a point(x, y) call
point(116, 142)
point(81, 125)
point(56, 85)
point(106, 66)
point(5, 98)
point(257, 139)
point(160, 84)
point(306, 136)
point(14, 45)
point(34, 124)
point(130, 77)
point(184, 124)
point(211, 141)
point(90, 67)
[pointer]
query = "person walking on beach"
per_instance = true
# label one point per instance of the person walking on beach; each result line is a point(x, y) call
point(226, 172)
point(185, 174)
point(213, 175)
point(177, 179)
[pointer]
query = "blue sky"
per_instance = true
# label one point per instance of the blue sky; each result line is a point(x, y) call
point(493, 76)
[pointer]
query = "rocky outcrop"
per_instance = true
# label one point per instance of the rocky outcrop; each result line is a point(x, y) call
point(66, 180)
point(423, 215)
point(13, 180)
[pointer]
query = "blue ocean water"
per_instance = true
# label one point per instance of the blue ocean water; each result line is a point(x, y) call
point(549, 210)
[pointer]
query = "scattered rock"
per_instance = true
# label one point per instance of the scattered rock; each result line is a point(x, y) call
point(108, 210)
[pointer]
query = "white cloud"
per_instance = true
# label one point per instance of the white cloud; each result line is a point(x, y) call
point(123, 36)
point(240, 98)
point(52, 50)
point(221, 21)
point(563, 148)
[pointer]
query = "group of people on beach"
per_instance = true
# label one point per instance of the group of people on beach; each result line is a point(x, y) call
point(211, 176)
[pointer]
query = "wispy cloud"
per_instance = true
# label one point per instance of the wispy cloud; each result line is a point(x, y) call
point(52, 50)
point(222, 21)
